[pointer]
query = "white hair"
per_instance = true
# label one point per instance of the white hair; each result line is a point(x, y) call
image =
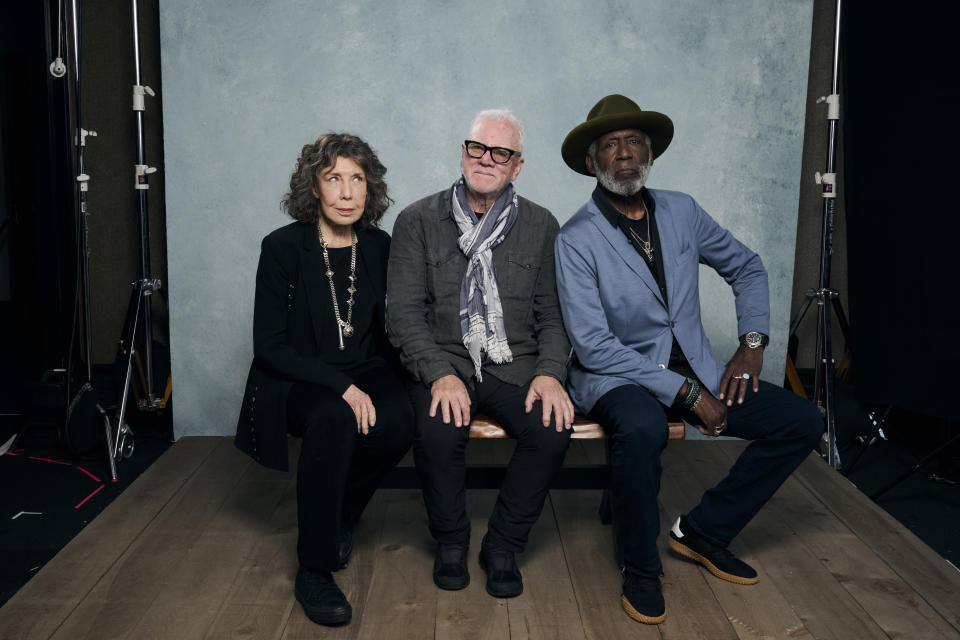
point(503, 115)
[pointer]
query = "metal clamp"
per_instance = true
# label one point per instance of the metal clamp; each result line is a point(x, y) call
point(138, 92)
point(833, 105)
point(141, 171)
point(829, 182)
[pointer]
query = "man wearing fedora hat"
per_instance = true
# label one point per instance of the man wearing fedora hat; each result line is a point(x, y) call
point(628, 276)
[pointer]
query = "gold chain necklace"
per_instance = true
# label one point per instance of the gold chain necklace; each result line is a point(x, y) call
point(344, 328)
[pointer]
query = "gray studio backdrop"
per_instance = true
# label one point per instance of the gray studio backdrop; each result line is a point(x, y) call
point(249, 82)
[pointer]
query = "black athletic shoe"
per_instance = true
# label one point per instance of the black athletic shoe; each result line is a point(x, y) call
point(717, 560)
point(450, 567)
point(345, 545)
point(321, 598)
point(503, 575)
point(642, 599)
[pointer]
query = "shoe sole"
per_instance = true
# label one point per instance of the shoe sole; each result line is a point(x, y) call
point(639, 617)
point(454, 586)
point(686, 551)
point(327, 620)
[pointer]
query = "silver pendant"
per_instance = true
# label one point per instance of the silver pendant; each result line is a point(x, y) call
point(340, 337)
point(347, 330)
point(647, 250)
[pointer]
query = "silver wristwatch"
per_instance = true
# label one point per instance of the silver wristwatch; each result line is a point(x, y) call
point(754, 339)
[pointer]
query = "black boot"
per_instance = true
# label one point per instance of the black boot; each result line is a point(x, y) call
point(321, 598)
point(450, 567)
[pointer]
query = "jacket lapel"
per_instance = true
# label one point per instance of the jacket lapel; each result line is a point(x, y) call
point(625, 250)
point(312, 273)
point(669, 244)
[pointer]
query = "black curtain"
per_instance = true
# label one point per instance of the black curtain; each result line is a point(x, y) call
point(38, 178)
point(901, 107)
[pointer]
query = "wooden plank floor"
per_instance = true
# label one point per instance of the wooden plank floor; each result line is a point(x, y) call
point(203, 546)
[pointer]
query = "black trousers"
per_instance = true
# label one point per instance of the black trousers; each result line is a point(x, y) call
point(440, 454)
point(784, 429)
point(339, 468)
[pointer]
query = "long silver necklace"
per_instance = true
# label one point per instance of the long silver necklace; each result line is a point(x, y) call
point(344, 328)
point(645, 245)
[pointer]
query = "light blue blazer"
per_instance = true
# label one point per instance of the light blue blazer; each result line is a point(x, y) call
point(615, 316)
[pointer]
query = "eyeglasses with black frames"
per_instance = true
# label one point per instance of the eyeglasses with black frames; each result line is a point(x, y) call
point(500, 155)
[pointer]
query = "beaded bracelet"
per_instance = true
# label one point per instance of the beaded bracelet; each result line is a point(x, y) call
point(696, 402)
point(693, 394)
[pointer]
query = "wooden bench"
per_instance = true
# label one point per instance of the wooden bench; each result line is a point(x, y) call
point(490, 476)
point(483, 427)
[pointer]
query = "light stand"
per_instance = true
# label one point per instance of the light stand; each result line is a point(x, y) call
point(79, 405)
point(140, 308)
point(827, 298)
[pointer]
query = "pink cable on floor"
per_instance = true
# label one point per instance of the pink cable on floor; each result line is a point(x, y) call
point(89, 474)
point(67, 464)
point(95, 492)
point(49, 460)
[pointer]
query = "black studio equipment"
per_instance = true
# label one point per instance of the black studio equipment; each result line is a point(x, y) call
point(901, 157)
point(94, 408)
point(827, 299)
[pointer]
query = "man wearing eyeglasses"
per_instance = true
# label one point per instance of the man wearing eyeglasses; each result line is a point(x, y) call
point(472, 307)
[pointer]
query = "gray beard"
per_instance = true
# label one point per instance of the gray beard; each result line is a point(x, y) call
point(626, 188)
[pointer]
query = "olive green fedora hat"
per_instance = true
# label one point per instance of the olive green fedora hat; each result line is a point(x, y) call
point(610, 114)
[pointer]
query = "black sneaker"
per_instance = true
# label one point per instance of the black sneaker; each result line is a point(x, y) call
point(321, 598)
point(345, 545)
point(503, 575)
point(450, 567)
point(642, 599)
point(717, 560)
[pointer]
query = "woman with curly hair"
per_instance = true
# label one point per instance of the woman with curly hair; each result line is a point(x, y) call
point(322, 367)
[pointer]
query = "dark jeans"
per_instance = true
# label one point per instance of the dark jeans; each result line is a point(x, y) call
point(784, 428)
point(340, 468)
point(440, 453)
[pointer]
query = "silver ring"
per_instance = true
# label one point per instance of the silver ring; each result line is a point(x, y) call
point(738, 377)
point(745, 376)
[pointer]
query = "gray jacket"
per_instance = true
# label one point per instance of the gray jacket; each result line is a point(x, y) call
point(423, 294)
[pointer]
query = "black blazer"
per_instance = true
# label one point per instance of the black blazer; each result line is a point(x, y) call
point(286, 338)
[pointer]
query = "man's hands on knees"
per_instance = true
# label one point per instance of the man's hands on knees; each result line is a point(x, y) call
point(712, 414)
point(742, 371)
point(450, 394)
point(553, 398)
point(362, 407)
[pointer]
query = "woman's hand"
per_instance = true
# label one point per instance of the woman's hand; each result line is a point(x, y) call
point(362, 408)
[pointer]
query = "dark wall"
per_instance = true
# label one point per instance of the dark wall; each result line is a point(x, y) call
point(902, 140)
point(108, 76)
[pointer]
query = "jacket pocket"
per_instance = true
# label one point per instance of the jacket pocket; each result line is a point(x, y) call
point(519, 280)
point(444, 275)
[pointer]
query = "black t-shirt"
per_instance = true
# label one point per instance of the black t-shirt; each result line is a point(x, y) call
point(360, 346)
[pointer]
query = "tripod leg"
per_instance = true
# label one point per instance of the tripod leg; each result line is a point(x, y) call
point(906, 474)
point(109, 429)
point(828, 382)
point(878, 423)
point(128, 375)
point(842, 320)
point(794, 378)
point(802, 311)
